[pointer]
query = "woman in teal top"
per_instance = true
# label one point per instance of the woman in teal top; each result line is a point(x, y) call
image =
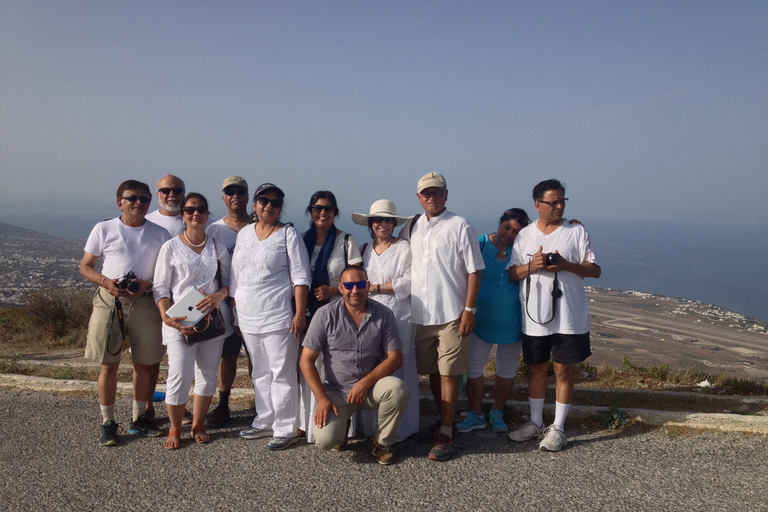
point(497, 322)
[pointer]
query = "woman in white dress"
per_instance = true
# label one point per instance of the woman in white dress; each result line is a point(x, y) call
point(269, 267)
point(387, 260)
point(190, 260)
point(330, 250)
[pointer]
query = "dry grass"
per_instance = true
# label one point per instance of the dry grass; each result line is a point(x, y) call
point(50, 318)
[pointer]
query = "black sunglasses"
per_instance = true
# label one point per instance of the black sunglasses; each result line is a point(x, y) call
point(176, 190)
point(190, 210)
point(328, 209)
point(235, 191)
point(388, 220)
point(361, 285)
point(264, 201)
point(141, 199)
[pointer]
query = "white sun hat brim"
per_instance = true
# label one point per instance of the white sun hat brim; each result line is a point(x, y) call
point(380, 208)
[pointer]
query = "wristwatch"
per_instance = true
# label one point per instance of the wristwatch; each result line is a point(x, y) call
point(471, 310)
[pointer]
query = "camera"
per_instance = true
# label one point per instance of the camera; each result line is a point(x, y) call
point(553, 258)
point(127, 283)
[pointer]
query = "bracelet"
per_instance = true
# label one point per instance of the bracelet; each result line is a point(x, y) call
point(102, 281)
point(378, 288)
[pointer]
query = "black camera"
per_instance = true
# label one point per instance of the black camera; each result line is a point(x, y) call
point(127, 283)
point(553, 258)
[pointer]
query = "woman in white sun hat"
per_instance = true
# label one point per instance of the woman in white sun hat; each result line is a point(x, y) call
point(387, 259)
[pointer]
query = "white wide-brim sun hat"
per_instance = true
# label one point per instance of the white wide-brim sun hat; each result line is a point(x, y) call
point(380, 208)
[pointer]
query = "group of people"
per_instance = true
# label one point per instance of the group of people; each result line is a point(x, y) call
point(332, 328)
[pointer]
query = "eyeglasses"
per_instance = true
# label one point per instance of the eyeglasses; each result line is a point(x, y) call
point(317, 208)
point(554, 203)
point(235, 191)
point(176, 190)
point(361, 285)
point(190, 210)
point(264, 201)
point(388, 220)
point(430, 195)
point(141, 199)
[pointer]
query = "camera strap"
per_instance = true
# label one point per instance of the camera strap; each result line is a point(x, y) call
point(119, 312)
point(556, 294)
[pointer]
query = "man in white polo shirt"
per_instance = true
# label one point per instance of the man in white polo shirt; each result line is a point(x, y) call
point(123, 306)
point(445, 279)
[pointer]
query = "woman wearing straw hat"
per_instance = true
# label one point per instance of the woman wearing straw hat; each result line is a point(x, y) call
point(387, 260)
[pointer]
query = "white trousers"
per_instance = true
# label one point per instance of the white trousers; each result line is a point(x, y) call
point(275, 380)
point(198, 362)
point(507, 358)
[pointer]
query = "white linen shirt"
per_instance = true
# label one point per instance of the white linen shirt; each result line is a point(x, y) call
point(263, 276)
point(393, 265)
point(228, 237)
point(572, 313)
point(179, 268)
point(444, 252)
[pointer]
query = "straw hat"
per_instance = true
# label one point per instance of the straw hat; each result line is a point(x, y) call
point(380, 208)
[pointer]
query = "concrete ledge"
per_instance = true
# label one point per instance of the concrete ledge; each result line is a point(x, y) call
point(704, 421)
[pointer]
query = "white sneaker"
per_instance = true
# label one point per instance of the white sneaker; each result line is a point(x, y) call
point(554, 440)
point(527, 432)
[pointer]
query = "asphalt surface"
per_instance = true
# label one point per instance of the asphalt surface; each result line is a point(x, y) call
point(50, 459)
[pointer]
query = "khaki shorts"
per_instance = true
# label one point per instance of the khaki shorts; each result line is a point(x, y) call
point(440, 349)
point(143, 329)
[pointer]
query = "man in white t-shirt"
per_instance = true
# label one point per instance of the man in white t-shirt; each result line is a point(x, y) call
point(552, 257)
point(170, 195)
point(235, 190)
point(123, 306)
point(445, 279)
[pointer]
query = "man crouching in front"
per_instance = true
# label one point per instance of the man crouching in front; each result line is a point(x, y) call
point(361, 349)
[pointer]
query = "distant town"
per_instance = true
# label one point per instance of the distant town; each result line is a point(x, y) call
point(31, 260)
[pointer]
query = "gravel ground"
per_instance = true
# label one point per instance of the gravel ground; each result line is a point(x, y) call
point(50, 459)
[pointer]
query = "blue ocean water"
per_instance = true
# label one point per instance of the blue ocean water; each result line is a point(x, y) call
point(719, 264)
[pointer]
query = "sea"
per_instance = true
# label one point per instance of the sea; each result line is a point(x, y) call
point(721, 264)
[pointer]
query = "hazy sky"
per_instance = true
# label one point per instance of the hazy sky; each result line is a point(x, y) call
point(644, 109)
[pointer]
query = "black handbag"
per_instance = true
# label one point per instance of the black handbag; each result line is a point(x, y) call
point(211, 326)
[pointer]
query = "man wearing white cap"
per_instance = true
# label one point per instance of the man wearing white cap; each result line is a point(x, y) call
point(445, 280)
point(225, 230)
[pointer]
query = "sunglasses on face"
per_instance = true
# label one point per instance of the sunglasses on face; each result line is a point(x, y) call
point(235, 191)
point(176, 190)
point(264, 201)
point(361, 285)
point(317, 208)
point(142, 199)
point(190, 210)
point(431, 194)
point(388, 220)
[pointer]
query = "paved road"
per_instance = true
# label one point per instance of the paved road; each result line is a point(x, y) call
point(49, 459)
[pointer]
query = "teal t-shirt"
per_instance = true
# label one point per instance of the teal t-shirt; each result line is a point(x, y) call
point(498, 319)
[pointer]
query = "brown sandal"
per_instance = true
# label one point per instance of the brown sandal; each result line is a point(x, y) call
point(169, 444)
point(200, 435)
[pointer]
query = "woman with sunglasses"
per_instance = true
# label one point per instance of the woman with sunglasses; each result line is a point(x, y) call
point(497, 322)
point(269, 267)
point(387, 259)
point(187, 261)
point(330, 251)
